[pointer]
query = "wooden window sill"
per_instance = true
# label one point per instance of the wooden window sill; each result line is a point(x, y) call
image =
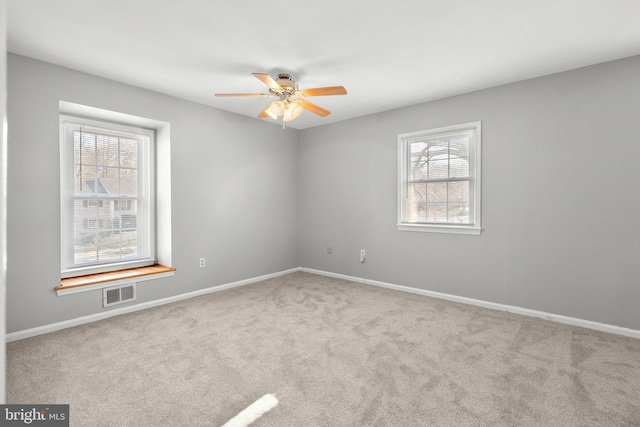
point(89, 282)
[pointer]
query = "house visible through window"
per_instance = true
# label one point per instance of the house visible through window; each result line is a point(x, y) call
point(107, 196)
point(440, 180)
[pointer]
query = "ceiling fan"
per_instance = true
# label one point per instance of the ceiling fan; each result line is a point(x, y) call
point(291, 100)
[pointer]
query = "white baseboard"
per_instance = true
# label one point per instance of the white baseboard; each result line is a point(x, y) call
point(14, 336)
point(603, 327)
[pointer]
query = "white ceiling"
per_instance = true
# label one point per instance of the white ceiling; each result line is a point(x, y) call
point(386, 54)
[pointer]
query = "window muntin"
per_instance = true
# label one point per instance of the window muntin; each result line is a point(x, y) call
point(440, 179)
point(107, 196)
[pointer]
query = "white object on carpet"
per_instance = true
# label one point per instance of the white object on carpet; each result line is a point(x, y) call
point(253, 411)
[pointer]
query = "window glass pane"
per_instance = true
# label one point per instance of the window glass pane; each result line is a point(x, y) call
point(459, 213)
point(105, 215)
point(84, 244)
point(84, 182)
point(84, 148)
point(128, 182)
point(437, 192)
point(85, 214)
point(96, 186)
point(417, 212)
point(436, 212)
point(117, 236)
point(459, 202)
point(417, 203)
point(109, 180)
point(458, 167)
point(459, 146)
point(106, 175)
point(100, 225)
point(107, 150)
point(459, 157)
point(438, 147)
point(458, 191)
point(419, 169)
point(129, 220)
point(439, 167)
point(419, 161)
point(115, 245)
point(128, 153)
point(109, 245)
point(129, 244)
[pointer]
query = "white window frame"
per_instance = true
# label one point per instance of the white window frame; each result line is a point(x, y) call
point(475, 173)
point(147, 187)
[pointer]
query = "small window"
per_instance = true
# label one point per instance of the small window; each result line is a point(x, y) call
point(439, 180)
point(107, 196)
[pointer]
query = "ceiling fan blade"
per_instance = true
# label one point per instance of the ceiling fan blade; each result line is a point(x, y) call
point(314, 108)
point(325, 91)
point(263, 113)
point(241, 94)
point(268, 80)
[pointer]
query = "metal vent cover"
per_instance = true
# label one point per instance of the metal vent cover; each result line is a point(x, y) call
point(127, 293)
point(118, 294)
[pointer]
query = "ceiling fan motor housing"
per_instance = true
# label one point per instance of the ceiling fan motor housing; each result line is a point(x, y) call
point(287, 82)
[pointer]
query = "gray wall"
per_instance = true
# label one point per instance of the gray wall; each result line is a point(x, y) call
point(234, 192)
point(559, 197)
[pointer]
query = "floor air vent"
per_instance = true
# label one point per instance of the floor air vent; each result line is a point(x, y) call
point(118, 295)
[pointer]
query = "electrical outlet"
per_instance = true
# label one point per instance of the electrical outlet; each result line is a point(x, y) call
point(201, 262)
point(362, 255)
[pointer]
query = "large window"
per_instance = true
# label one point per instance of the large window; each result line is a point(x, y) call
point(107, 196)
point(440, 180)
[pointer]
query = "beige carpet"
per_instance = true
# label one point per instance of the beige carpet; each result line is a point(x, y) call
point(334, 353)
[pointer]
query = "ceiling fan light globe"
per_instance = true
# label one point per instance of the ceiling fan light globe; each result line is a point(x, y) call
point(292, 110)
point(270, 114)
point(296, 111)
point(276, 109)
